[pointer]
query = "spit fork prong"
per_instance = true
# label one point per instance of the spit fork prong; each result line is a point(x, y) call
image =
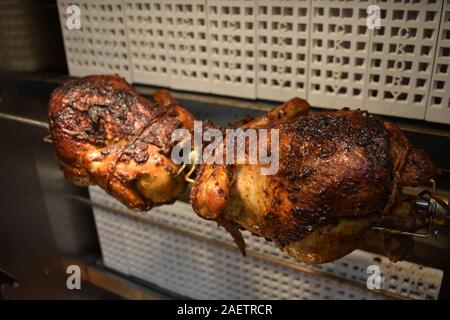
point(436, 209)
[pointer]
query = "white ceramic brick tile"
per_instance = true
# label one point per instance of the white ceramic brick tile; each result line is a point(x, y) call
point(203, 270)
point(231, 40)
point(282, 40)
point(187, 43)
point(439, 99)
point(147, 41)
point(100, 46)
point(112, 240)
point(339, 47)
point(401, 57)
point(319, 50)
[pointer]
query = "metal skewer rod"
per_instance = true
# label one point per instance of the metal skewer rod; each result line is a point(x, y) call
point(24, 120)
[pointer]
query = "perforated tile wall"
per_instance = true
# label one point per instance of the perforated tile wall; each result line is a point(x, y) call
point(401, 58)
point(282, 49)
point(100, 46)
point(177, 261)
point(439, 98)
point(147, 41)
point(187, 44)
point(320, 50)
point(231, 38)
point(339, 50)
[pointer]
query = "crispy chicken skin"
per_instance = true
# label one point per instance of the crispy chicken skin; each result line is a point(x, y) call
point(108, 135)
point(340, 173)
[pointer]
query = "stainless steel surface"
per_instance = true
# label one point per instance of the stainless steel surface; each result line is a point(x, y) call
point(122, 286)
point(39, 229)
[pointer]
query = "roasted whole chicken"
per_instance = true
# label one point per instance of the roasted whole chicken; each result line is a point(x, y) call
point(340, 173)
point(108, 135)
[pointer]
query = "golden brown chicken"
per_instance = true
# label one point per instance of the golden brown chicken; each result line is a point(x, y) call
point(106, 134)
point(340, 173)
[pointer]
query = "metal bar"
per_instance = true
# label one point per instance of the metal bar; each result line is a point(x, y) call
point(231, 247)
point(24, 120)
point(404, 233)
point(427, 128)
point(121, 285)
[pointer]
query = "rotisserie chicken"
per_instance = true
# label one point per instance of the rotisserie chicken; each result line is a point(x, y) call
point(340, 173)
point(106, 134)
